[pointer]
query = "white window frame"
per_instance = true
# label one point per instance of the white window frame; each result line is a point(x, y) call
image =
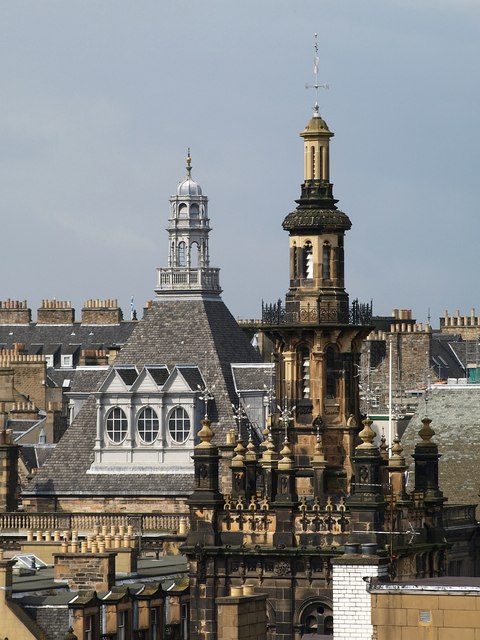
point(110, 411)
point(154, 418)
point(186, 416)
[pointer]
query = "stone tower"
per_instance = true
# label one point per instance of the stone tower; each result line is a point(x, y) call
point(317, 334)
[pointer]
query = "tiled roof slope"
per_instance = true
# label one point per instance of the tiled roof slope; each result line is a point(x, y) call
point(455, 419)
point(172, 332)
point(88, 336)
point(200, 332)
point(253, 378)
point(65, 472)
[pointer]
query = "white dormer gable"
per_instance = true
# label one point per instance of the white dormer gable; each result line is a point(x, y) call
point(150, 380)
point(115, 382)
point(176, 383)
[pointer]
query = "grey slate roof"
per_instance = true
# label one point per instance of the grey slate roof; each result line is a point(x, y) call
point(87, 380)
point(171, 332)
point(200, 332)
point(65, 472)
point(55, 336)
point(252, 378)
point(159, 374)
point(455, 416)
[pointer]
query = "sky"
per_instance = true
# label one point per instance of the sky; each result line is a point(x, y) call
point(100, 99)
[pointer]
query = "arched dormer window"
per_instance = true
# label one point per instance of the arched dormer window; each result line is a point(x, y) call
point(308, 260)
point(182, 254)
point(326, 260)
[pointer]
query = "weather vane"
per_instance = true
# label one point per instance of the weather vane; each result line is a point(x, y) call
point(286, 416)
point(315, 85)
point(239, 411)
point(207, 395)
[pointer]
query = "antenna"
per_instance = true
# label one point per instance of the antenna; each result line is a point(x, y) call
point(315, 85)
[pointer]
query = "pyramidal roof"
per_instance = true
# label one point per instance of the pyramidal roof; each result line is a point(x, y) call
point(202, 332)
point(195, 329)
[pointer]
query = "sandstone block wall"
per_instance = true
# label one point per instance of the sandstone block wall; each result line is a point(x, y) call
point(85, 571)
point(242, 617)
point(402, 616)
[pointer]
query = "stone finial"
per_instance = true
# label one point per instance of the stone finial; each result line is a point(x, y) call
point(251, 453)
point(367, 435)
point(239, 457)
point(318, 455)
point(396, 459)
point(205, 434)
point(426, 432)
point(383, 447)
point(286, 462)
point(269, 454)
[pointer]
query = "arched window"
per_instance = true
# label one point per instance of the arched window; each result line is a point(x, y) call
point(331, 382)
point(147, 425)
point(182, 254)
point(183, 210)
point(308, 260)
point(194, 253)
point(194, 210)
point(326, 260)
point(117, 425)
point(317, 619)
point(312, 161)
point(179, 425)
point(303, 363)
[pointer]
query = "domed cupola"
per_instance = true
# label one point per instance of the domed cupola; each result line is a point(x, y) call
point(189, 268)
point(189, 187)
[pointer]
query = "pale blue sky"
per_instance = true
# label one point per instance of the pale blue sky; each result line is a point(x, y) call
point(99, 100)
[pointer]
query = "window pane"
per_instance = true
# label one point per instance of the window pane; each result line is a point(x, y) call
point(117, 425)
point(179, 425)
point(147, 424)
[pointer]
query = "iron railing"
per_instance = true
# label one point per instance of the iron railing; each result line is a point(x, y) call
point(357, 314)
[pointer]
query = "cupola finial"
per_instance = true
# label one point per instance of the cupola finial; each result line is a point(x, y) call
point(189, 163)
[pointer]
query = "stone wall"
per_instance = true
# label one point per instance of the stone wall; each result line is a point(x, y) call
point(101, 312)
point(85, 571)
point(56, 312)
point(14, 312)
point(436, 616)
point(242, 616)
